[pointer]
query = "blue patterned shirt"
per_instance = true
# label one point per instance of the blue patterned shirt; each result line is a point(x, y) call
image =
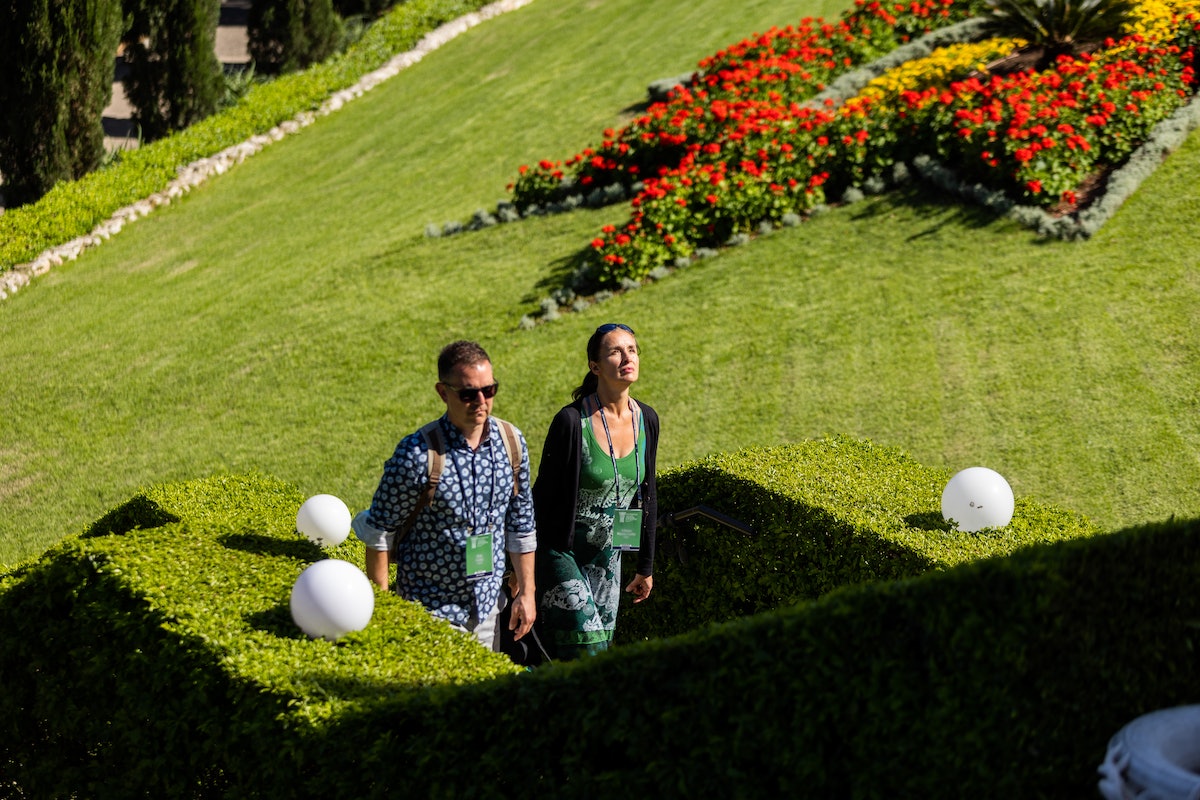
point(474, 495)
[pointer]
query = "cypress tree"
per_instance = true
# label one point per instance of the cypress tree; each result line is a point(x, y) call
point(174, 78)
point(57, 60)
point(287, 35)
point(369, 9)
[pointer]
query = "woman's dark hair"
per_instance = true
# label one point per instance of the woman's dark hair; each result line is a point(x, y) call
point(590, 381)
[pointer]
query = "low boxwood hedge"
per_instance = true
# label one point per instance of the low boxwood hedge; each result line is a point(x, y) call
point(155, 656)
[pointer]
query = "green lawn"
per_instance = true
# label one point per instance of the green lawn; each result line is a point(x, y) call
point(285, 317)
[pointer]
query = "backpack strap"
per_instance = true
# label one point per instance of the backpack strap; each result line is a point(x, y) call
point(435, 448)
point(512, 446)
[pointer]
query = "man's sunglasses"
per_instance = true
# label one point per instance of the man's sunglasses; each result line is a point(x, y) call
point(468, 395)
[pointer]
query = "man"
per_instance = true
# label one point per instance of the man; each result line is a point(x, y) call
point(454, 556)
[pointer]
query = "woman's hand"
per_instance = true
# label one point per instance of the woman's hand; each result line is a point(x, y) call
point(640, 587)
point(524, 612)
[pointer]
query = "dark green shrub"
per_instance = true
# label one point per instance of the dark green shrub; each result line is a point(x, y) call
point(155, 656)
point(174, 76)
point(362, 8)
point(286, 35)
point(1060, 26)
point(56, 74)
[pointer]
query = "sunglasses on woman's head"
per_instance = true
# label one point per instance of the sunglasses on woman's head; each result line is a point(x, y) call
point(609, 327)
point(468, 395)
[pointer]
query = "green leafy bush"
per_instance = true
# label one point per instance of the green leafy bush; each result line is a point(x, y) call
point(1061, 27)
point(159, 647)
point(286, 35)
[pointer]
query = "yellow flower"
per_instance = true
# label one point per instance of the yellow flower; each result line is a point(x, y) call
point(944, 65)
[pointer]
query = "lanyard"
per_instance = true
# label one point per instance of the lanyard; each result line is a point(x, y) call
point(471, 485)
point(612, 452)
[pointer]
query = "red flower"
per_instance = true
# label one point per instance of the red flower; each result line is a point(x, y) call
point(1034, 186)
point(712, 198)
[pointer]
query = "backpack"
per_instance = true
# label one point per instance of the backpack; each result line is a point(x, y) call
point(435, 448)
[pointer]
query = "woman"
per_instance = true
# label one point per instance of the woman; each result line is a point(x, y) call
point(593, 498)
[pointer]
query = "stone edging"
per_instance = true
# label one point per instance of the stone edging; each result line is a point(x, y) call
point(198, 172)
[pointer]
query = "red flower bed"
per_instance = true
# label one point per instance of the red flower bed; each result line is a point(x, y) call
point(739, 146)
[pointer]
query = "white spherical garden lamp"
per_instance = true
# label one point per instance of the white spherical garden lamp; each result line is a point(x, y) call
point(324, 519)
point(332, 598)
point(977, 498)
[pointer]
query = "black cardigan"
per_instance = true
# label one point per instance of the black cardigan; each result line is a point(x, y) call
point(556, 490)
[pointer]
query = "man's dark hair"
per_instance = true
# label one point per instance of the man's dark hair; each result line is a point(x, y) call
point(460, 353)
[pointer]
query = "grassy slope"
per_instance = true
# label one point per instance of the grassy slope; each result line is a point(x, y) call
point(285, 317)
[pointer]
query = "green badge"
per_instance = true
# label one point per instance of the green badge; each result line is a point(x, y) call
point(627, 528)
point(479, 556)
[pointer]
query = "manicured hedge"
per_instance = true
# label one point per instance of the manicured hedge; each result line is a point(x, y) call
point(155, 656)
point(826, 513)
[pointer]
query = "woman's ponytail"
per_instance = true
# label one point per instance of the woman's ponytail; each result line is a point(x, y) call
point(590, 382)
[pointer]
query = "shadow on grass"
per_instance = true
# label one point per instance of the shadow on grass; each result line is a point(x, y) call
point(941, 208)
point(562, 272)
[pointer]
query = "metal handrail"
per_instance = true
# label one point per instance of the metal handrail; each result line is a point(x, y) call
point(669, 519)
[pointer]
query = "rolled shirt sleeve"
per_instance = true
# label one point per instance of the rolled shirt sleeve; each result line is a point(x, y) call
point(374, 538)
point(520, 531)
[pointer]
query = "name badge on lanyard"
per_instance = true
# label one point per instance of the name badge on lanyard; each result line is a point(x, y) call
point(627, 528)
point(479, 556)
point(626, 522)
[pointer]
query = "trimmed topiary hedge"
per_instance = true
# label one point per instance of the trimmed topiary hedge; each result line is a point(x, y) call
point(155, 656)
point(826, 513)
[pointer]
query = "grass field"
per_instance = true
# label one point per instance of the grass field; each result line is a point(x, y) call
point(285, 317)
